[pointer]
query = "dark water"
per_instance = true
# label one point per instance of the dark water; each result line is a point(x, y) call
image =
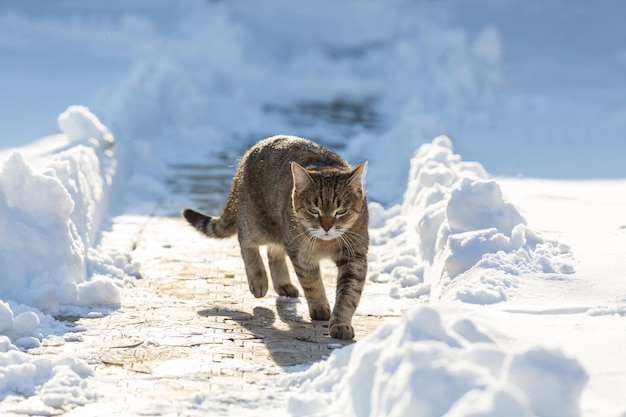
point(345, 116)
point(205, 186)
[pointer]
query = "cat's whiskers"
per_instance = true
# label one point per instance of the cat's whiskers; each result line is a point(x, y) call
point(348, 243)
point(354, 237)
point(306, 232)
point(306, 246)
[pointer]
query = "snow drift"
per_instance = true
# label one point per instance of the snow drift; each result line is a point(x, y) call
point(456, 237)
point(419, 366)
point(59, 381)
point(49, 226)
point(49, 223)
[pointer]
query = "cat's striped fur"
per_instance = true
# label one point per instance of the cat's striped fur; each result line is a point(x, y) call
point(305, 202)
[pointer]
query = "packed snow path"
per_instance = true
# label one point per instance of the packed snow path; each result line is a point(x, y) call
point(190, 326)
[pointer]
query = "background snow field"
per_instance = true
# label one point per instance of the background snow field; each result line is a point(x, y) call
point(495, 133)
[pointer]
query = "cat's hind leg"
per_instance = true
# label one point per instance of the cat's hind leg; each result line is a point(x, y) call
point(255, 270)
point(276, 257)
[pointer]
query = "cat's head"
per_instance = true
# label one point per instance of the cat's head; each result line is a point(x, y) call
point(327, 202)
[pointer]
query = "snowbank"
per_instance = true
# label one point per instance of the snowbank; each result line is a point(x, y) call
point(456, 237)
point(420, 367)
point(50, 220)
point(49, 223)
point(60, 382)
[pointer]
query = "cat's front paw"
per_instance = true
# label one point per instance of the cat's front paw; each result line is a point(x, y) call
point(342, 331)
point(319, 312)
point(288, 290)
point(258, 287)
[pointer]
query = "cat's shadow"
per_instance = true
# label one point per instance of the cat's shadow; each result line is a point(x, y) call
point(291, 341)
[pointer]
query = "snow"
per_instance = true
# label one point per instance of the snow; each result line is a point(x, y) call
point(458, 237)
point(51, 220)
point(418, 366)
point(519, 302)
point(77, 123)
point(57, 381)
point(50, 225)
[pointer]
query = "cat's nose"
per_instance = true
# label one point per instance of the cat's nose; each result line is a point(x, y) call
point(327, 223)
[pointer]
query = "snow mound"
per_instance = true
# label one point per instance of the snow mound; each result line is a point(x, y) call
point(60, 382)
point(49, 225)
point(456, 237)
point(49, 222)
point(617, 310)
point(419, 366)
point(78, 123)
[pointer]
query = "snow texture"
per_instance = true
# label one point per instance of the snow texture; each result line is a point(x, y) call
point(419, 366)
point(49, 223)
point(59, 381)
point(50, 220)
point(456, 237)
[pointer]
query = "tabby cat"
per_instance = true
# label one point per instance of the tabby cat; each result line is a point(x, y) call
point(305, 202)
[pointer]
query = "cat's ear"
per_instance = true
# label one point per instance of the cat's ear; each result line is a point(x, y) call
point(301, 178)
point(357, 175)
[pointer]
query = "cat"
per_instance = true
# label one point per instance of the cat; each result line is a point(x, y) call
point(303, 201)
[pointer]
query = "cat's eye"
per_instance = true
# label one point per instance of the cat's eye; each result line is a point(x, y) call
point(340, 212)
point(314, 210)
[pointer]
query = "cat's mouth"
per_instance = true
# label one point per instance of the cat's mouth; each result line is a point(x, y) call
point(320, 233)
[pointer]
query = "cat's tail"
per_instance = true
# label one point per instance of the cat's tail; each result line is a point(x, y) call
point(217, 227)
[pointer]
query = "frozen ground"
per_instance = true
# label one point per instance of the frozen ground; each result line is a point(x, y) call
point(512, 286)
